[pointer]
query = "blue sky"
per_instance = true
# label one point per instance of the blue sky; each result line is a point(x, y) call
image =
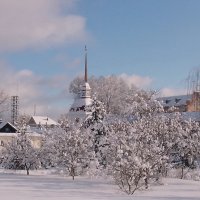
point(151, 43)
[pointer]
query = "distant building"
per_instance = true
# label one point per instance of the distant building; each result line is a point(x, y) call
point(40, 123)
point(79, 109)
point(187, 105)
point(181, 103)
point(8, 131)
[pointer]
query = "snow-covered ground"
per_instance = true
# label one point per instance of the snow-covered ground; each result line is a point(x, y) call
point(43, 186)
point(53, 187)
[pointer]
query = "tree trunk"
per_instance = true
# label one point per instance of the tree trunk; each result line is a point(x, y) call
point(146, 183)
point(27, 170)
point(182, 168)
point(72, 173)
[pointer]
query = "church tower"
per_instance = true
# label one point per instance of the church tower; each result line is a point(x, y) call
point(79, 109)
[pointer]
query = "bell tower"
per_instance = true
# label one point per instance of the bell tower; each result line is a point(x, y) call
point(79, 107)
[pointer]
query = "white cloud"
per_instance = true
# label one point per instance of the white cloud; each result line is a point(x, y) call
point(136, 80)
point(38, 23)
point(48, 94)
point(164, 92)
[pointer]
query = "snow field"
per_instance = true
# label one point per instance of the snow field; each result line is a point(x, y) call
point(54, 187)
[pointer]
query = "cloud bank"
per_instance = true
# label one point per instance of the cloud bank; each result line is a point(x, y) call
point(166, 92)
point(138, 81)
point(49, 94)
point(34, 24)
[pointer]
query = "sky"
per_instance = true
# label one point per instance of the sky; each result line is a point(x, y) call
point(151, 43)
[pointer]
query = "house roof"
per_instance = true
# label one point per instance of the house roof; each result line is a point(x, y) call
point(42, 120)
point(4, 123)
point(174, 100)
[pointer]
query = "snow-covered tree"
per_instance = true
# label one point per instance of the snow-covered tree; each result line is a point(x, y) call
point(111, 91)
point(140, 103)
point(135, 153)
point(184, 136)
point(64, 122)
point(20, 154)
point(69, 149)
point(22, 122)
point(97, 126)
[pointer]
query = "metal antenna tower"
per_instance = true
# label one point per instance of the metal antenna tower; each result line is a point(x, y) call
point(14, 109)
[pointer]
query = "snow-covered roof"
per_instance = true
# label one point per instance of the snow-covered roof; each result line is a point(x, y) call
point(4, 123)
point(174, 100)
point(42, 120)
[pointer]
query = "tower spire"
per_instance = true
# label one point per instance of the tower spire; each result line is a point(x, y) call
point(86, 75)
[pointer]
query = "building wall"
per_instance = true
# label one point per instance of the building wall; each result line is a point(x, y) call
point(194, 104)
point(182, 103)
point(7, 137)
